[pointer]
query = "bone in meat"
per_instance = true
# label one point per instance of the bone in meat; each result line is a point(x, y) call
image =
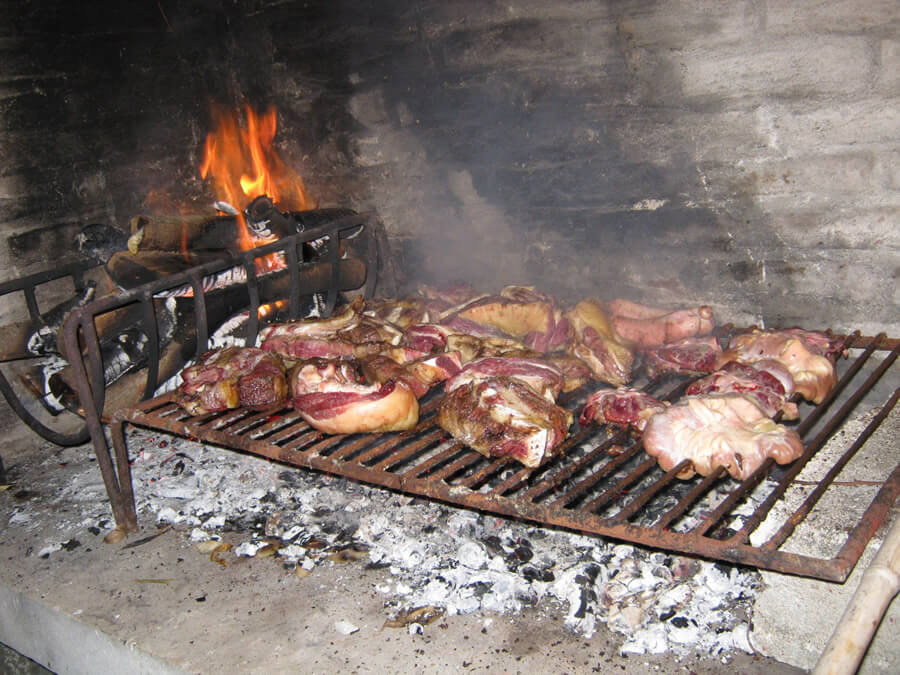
point(544, 378)
point(727, 430)
point(504, 417)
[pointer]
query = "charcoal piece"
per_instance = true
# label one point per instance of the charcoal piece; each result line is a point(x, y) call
point(679, 621)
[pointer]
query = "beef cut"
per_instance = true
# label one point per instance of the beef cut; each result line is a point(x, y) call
point(543, 377)
point(504, 417)
point(233, 377)
point(624, 406)
point(595, 342)
point(331, 398)
point(688, 356)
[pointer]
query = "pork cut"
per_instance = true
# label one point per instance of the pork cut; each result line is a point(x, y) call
point(807, 355)
point(624, 406)
point(233, 377)
point(504, 417)
point(758, 382)
point(647, 326)
point(713, 430)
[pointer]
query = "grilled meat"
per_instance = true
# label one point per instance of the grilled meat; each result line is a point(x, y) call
point(727, 430)
point(757, 382)
point(230, 378)
point(807, 355)
point(649, 326)
point(689, 356)
point(624, 406)
point(595, 342)
point(542, 377)
point(503, 417)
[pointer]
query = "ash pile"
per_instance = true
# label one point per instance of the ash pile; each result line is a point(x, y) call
point(439, 560)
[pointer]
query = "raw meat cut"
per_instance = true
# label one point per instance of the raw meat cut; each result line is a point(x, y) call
point(623, 406)
point(727, 430)
point(230, 378)
point(504, 417)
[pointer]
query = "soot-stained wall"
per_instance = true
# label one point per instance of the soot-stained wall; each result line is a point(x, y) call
point(742, 154)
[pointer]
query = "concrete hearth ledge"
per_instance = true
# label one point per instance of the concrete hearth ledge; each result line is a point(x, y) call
point(64, 645)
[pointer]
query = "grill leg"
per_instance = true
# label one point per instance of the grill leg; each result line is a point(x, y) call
point(118, 479)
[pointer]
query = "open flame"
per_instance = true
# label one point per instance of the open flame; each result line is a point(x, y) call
point(242, 163)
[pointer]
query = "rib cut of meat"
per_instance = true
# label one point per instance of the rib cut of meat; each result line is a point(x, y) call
point(727, 430)
point(803, 353)
point(690, 356)
point(504, 417)
point(232, 377)
point(595, 342)
point(755, 381)
point(624, 406)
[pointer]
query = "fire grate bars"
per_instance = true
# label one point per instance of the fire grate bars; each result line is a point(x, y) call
point(601, 482)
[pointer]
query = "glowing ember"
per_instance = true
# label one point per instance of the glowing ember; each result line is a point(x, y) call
point(243, 164)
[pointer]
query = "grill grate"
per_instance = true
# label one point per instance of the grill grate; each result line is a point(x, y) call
point(601, 482)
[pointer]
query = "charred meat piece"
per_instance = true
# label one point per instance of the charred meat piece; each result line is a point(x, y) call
point(803, 353)
point(402, 313)
point(329, 396)
point(649, 326)
point(758, 383)
point(312, 338)
point(727, 430)
point(544, 378)
point(233, 377)
point(503, 417)
point(625, 406)
point(595, 342)
point(690, 356)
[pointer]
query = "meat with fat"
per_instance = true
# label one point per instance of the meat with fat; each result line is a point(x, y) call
point(757, 382)
point(504, 417)
point(804, 354)
point(330, 397)
point(233, 377)
point(648, 326)
point(727, 430)
point(595, 342)
point(690, 356)
point(624, 406)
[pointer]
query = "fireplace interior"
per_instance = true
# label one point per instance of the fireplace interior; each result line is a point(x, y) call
point(737, 155)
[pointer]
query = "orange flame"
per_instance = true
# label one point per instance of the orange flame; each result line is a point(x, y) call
point(243, 164)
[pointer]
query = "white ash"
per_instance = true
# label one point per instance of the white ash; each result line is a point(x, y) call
point(454, 559)
point(438, 555)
